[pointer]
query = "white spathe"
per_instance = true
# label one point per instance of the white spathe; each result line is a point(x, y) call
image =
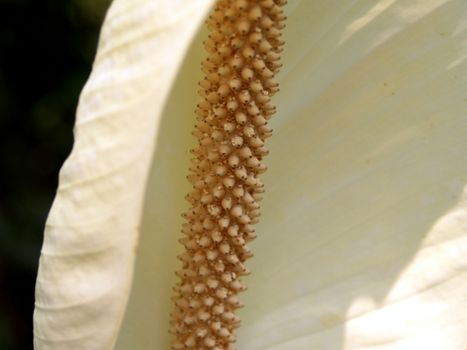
point(363, 235)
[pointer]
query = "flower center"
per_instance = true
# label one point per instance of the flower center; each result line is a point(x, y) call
point(243, 48)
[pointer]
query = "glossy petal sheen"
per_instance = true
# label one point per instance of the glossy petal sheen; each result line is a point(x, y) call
point(362, 239)
point(87, 257)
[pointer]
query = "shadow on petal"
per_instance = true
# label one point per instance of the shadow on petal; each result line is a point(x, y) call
point(146, 321)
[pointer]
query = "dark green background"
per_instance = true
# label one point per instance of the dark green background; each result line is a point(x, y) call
point(46, 52)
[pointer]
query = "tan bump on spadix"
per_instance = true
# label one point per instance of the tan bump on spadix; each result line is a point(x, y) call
point(244, 47)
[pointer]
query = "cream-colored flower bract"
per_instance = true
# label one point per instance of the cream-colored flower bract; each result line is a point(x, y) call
point(362, 242)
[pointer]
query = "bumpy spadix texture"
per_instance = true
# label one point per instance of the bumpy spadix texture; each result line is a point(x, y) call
point(243, 47)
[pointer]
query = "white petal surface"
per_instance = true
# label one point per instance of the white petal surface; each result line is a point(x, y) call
point(87, 256)
point(364, 232)
point(362, 242)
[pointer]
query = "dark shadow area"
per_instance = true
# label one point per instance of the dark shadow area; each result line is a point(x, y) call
point(46, 52)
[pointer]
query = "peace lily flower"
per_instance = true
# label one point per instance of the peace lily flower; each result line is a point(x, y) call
point(362, 241)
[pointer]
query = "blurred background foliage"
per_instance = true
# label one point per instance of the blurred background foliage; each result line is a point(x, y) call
point(46, 52)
